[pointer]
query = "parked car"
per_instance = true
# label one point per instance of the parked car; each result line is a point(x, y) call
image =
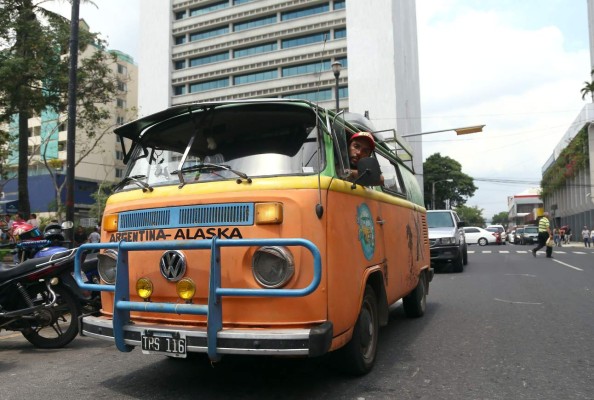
point(518, 235)
point(501, 231)
point(497, 233)
point(480, 236)
point(511, 236)
point(529, 235)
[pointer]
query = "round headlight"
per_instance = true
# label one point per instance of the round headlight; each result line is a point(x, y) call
point(106, 266)
point(185, 289)
point(273, 266)
point(144, 288)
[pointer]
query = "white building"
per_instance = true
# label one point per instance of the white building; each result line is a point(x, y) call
point(201, 50)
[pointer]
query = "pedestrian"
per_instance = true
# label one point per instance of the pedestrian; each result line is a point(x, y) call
point(592, 237)
point(95, 237)
point(80, 237)
point(567, 235)
point(33, 220)
point(586, 236)
point(557, 237)
point(544, 234)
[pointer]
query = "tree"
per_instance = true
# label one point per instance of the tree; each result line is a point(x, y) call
point(472, 216)
point(34, 76)
point(588, 88)
point(500, 218)
point(437, 168)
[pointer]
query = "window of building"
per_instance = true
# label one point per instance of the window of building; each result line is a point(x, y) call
point(202, 86)
point(62, 127)
point(248, 51)
point(317, 95)
point(209, 8)
point(310, 68)
point(180, 39)
point(62, 145)
point(122, 69)
point(208, 34)
point(343, 61)
point(238, 2)
point(339, 4)
point(255, 77)
point(254, 23)
point(119, 173)
point(180, 64)
point(194, 62)
point(343, 92)
point(122, 87)
point(179, 90)
point(120, 103)
point(340, 33)
point(119, 120)
point(180, 15)
point(304, 12)
point(392, 180)
point(119, 155)
point(303, 40)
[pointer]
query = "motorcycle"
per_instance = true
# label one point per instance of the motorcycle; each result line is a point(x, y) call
point(39, 296)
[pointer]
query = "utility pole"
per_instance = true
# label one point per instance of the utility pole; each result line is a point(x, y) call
point(71, 132)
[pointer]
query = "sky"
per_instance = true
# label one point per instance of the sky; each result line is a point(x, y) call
point(515, 66)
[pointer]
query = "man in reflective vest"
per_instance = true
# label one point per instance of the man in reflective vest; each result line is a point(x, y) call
point(544, 233)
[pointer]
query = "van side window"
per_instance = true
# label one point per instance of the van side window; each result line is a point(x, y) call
point(392, 181)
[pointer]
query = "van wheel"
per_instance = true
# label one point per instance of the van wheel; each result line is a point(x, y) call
point(465, 255)
point(358, 356)
point(415, 303)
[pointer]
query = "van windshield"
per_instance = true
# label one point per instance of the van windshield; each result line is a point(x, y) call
point(254, 140)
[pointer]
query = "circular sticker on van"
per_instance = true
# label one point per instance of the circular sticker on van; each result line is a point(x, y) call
point(366, 230)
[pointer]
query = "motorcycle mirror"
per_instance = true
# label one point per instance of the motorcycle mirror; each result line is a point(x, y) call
point(67, 224)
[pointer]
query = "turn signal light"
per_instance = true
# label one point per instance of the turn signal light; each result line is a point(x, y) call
point(110, 223)
point(269, 213)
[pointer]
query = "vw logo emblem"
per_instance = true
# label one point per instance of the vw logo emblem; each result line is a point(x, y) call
point(173, 265)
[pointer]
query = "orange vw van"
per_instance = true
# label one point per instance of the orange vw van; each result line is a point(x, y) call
point(235, 231)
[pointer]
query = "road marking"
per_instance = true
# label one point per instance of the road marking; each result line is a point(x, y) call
point(517, 302)
point(504, 251)
point(522, 252)
point(579, 252)
point(470, 251)
point(528, 275)
point(567, 265)
point(487, 251)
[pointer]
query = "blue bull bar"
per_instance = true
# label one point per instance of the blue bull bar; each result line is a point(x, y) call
point(213, 311)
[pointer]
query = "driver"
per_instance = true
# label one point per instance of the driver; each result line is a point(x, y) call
point(361, 145)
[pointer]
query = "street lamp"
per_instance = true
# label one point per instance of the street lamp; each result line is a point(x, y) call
point(433, 191)
point(336, 66)
point(459, 131)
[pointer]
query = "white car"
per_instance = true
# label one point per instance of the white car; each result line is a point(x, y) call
point(480, 236)
point(501, 230)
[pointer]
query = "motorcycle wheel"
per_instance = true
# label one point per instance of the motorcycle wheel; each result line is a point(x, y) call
point(58, 325)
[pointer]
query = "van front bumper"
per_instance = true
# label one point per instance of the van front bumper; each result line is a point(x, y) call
point(305, 342)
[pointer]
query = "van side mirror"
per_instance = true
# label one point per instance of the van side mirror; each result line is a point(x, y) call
point(369, 173)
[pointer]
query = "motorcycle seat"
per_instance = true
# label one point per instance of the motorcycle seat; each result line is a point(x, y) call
point(8, 271)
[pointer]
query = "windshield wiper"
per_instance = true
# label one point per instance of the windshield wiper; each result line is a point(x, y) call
point(208, 167)
point(136, 180)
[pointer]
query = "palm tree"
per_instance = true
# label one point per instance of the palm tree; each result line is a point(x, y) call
point(588, 88)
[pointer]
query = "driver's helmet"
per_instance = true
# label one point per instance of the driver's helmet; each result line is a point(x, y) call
point(53, 232)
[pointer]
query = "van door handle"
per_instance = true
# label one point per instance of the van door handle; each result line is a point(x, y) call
point(379, 221)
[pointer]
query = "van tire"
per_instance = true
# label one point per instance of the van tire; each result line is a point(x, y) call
point(358, 356)
point(415, 303)
point(465, 255)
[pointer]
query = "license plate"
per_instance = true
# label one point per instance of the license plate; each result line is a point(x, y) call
point(172, 344)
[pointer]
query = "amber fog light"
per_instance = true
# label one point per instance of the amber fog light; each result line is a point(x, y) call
point(144, 288)
point(273, 266)
point(185, 289)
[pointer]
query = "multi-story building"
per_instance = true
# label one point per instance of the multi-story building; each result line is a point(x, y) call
point(102, 160)
point(524, 208)
point(208, 50)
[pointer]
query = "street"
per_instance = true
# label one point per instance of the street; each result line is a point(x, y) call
point(510, 326)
